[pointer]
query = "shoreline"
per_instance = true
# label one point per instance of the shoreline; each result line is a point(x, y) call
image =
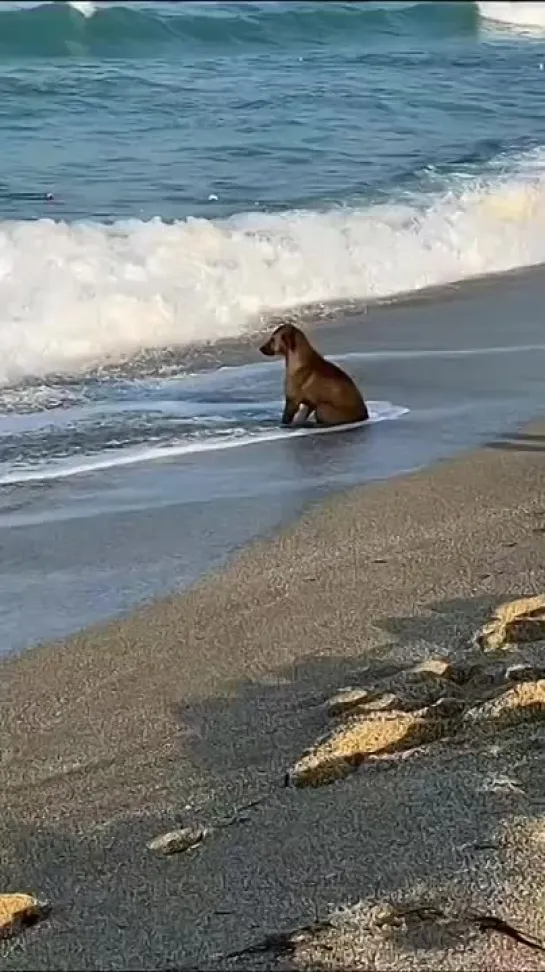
point(79, 549)
point(198, 704)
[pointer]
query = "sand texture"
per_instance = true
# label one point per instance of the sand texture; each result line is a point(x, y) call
point(348, 651)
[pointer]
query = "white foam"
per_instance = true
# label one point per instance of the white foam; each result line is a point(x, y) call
point(80, 294)
point(378, 412)
point(518, 14)
point(84, 7)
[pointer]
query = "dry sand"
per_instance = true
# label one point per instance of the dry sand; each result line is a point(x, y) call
point(194, 707)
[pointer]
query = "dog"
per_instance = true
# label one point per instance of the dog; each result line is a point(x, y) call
point(313, 385)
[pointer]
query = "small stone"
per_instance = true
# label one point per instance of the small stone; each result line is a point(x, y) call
point(178, 841)
point(383, 703)
point(434, 668)
point(17, 911)
point(348, 699)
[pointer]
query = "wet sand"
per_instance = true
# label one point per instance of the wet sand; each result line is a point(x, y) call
point(197, 705)
point(467, 361)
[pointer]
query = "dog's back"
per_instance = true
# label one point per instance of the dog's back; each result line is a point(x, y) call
point(323, 385)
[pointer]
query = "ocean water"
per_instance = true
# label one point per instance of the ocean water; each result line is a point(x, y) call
point(177, 176)
point(174, 175)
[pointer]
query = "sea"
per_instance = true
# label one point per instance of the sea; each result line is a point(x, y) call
point(177, 177)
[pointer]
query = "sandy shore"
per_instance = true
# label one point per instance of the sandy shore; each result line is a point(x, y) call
point(198, 705)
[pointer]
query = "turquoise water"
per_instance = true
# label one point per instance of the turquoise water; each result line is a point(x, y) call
point(146, 110)
point(173, 173)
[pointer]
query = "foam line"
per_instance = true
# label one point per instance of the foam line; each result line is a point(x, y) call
point(378, 411)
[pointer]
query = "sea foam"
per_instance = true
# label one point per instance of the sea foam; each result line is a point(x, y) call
point(82, 294)
point(516, 14)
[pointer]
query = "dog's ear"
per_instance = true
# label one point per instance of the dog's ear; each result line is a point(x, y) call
point(290, 338)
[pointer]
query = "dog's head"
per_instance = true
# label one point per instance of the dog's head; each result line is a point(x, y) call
point(282, 340)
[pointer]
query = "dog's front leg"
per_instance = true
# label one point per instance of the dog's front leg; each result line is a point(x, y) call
point(290, 408)
point(303, 413)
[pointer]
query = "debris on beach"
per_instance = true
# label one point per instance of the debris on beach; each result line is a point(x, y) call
point(18, 911)
point(178, 841)
point(514, 622)
point(405, 918)
point(378, 931)
point(285, 943)
point(186, 838)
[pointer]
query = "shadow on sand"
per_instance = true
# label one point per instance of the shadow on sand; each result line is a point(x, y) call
point(381, 833)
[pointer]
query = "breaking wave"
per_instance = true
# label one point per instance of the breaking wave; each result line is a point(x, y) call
point(82, 294)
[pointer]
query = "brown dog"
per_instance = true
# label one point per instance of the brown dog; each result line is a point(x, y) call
point(313, 384)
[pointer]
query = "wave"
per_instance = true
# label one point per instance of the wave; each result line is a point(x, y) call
point(59, 29)
point(85, 7)
point(82, 295)
point(514, 14)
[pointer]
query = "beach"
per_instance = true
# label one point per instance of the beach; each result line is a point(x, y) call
point(268, 696)
point(197, 705)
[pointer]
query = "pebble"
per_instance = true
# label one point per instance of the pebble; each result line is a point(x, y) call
point(347, 699)
point(178, 841)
